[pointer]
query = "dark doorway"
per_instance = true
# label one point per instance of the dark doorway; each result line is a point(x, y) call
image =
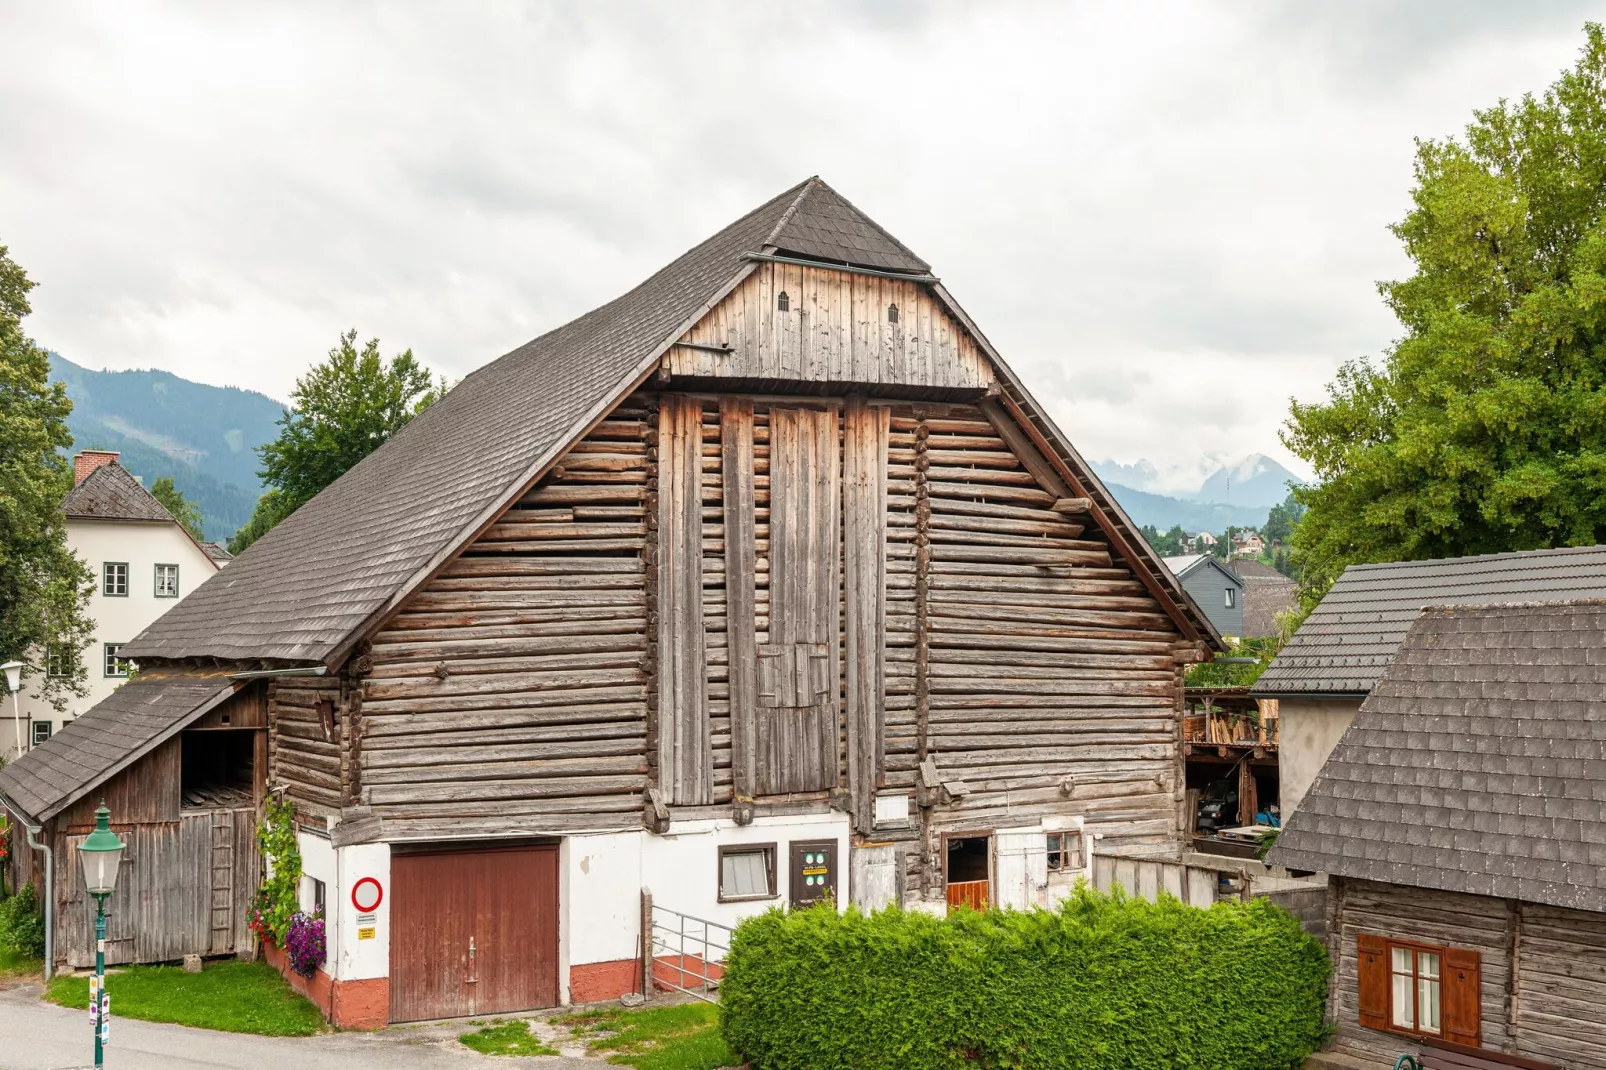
point(970, 871)
point(217, 768)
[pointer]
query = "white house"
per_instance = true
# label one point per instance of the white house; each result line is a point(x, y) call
point(143, 561)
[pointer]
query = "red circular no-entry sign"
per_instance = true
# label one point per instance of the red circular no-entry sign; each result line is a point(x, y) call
point(367, 889)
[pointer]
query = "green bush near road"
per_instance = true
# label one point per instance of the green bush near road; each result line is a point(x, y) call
point(1105, 982)
point(22, 924)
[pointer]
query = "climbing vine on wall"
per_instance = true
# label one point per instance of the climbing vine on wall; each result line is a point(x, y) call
point(278, 899)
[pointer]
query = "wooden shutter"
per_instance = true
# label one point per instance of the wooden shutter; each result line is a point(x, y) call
point(1372, 980)
point(1460, 980)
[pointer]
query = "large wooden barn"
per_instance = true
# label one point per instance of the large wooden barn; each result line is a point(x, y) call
point(764, 582)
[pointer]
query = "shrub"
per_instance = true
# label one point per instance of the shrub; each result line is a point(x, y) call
point(22, 924)
point(304, 943)
point(1104, 982)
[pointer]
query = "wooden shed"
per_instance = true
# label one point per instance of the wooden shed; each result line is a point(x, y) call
point(764, 583)
point(179, 758)
point(1462, 817)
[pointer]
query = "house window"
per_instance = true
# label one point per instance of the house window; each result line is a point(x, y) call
point(1231, 597)
point(783, 303)
point(1065, 851)
point(41, 732)
point(114, 579)
point(320, 892)
point(166, 581)
point(747, 872)
point(892, 313)
point(1414, 973)
point(59, 661)
point(116, 664)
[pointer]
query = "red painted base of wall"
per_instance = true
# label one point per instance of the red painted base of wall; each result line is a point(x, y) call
point(594, 982)
point(347, 1004)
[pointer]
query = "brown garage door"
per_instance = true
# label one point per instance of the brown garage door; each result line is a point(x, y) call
point(473, 932)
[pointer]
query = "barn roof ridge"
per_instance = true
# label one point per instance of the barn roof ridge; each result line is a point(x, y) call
point(309, 589)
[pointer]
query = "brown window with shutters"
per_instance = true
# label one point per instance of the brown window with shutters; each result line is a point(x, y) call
point(1418, 989)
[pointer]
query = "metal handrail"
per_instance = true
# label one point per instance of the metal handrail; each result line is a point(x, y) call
point(671, 936)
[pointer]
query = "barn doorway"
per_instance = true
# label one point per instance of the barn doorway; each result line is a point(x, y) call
point(473, 931)
point(969, 871)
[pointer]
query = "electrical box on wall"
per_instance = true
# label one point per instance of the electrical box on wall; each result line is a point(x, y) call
point(813, 871)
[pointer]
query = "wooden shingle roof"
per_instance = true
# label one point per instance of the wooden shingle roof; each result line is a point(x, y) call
point(111, 493)
point(1477, 765)
point(304, 592)
point(121, 728)
point(1348, 640)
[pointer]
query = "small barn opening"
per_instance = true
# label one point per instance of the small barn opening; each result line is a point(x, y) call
point(217, 768)
point(970, 871)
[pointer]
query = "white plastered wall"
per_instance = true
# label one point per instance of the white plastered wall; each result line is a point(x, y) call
point(601, 878)
point(351, 956)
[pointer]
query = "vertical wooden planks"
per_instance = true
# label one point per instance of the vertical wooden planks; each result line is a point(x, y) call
point(685, 752)
point(741, 622)
point(798, 667)
point(865, 432)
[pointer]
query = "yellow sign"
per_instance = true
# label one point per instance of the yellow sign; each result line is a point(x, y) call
point(365, 934)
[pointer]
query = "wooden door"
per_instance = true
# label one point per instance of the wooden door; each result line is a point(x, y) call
point(798, 669)
point(473, 932)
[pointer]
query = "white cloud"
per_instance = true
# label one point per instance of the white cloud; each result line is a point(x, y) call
point(1169, 217)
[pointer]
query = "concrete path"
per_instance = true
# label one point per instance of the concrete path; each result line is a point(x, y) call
point(35, 1035)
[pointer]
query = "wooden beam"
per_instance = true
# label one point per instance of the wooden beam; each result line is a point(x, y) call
point(736, 453)
point(865, 434)
point(685, 752)
point(1073, 505)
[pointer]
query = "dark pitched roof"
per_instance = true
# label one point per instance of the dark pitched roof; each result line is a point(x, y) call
point(119, 730)
point(1264, 598)
point(304, 591)
point(1349, 639)
point(1477, 765)
point(822, 225)
point(1250, 569)
point(111, 493)
point(1182, 564)
point(217, 552)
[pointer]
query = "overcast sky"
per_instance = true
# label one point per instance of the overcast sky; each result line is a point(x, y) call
point(1168, 218)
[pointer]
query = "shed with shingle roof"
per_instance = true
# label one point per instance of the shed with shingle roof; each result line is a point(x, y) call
point(1463, 816)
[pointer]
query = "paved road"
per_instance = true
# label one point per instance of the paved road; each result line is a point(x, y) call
point(35, 1035)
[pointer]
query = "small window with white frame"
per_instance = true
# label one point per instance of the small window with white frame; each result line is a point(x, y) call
point(114, 579)
point(1232, 598)
point(166, 581)
point(41, 732)
point(1065, 851)
point(747, 871)
point(115, 663)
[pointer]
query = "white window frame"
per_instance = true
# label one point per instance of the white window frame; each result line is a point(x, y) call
point(34, 734)
point(1232, 596)
point(768, 851)
point(160, 593)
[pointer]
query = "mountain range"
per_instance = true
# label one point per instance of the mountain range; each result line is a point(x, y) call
point(205, 437)
point(1238, 494)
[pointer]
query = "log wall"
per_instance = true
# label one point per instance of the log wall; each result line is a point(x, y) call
point(510, 693)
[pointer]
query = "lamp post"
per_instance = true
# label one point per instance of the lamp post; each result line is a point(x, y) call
point(101, 853)
point(13, 671)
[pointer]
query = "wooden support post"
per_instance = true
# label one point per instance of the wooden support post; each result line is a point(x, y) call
point(741, 622)
point(865, 432)
point(646, 944)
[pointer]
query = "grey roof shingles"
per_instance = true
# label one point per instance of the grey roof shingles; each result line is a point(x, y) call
point(111, 493)
point(122, 727)
point(1348, 640)
point(1478, 763)
point(303, 592)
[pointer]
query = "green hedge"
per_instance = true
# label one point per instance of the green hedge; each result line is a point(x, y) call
point(1104, 982)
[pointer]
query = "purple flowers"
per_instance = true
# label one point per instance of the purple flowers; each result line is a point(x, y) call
point(304, 942)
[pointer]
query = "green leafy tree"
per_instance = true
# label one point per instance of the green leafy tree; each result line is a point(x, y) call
point(1166, 544)
point(1484, 428)
point(1280, 521)
point(44, 588)
point(343, 410)
point(184, 511)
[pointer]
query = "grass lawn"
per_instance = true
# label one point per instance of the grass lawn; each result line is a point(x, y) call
point(236, 997)
point(682, 1037)
point(511, 1038)
point(14, 965)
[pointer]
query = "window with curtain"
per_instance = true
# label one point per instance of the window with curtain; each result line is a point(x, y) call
point(747, 872)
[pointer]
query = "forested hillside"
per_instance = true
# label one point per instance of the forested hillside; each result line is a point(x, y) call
point(205, 437)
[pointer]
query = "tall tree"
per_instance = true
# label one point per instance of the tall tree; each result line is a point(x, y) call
point(44, 588)
point(184, 511)
point(343, 410)
point(1484, 427)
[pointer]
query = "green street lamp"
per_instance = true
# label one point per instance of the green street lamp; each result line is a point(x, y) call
point(101, 854)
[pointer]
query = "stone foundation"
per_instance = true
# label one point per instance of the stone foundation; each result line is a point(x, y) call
point(346, 1004)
